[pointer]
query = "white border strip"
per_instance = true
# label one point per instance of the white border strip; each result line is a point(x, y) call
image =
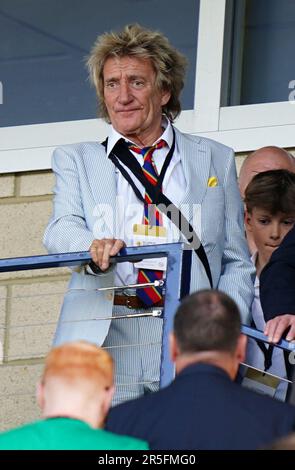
point(209, 63)
point(257, 115)
point(245, 140)
point(52, 134)
point(242, 140)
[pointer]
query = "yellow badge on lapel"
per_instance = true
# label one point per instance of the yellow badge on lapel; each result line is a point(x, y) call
point(212, 182)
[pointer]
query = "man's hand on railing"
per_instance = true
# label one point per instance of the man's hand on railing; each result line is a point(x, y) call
point(102, 250)
point(276, 327)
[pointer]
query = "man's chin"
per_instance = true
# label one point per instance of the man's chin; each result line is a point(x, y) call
point(129, 131)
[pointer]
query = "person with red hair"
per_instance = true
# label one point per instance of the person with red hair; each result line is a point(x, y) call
point(74, 394)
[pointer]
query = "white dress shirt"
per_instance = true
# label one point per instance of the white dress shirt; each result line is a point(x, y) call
point(173, 187)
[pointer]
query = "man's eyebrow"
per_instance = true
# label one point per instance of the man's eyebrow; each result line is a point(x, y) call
point(129, 78)
point(135, 77)
point(111, 79)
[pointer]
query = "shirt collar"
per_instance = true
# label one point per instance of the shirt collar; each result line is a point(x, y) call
point(254, 257)
point(167, 135)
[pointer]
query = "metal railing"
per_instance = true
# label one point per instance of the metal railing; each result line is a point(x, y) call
point(177, 283)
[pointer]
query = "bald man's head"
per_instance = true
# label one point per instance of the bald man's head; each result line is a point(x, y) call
point(264, 159)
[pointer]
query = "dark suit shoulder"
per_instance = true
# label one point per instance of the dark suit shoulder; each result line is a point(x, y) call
point(137, 417)
point(203, 410)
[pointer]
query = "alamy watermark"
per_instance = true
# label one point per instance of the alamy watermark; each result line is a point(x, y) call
point(117, 222)
point(292, 93)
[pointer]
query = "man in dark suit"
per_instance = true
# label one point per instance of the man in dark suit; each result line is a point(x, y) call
point(203, 408)
point(277, 290)
point(277, 296)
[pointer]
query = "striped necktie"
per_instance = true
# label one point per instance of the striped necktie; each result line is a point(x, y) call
point(152, 217)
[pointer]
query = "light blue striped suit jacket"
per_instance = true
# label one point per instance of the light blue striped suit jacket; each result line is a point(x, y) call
point(86, 186)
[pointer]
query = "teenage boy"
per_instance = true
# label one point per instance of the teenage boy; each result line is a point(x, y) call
point(270, 206)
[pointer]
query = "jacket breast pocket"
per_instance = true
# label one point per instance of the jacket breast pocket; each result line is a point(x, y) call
point(212, 217)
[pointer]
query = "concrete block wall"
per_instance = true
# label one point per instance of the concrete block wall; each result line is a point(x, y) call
point(29, 301)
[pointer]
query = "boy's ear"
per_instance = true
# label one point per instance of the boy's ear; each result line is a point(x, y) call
point(248, 220)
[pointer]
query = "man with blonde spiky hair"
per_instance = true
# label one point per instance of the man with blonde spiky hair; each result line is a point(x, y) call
point(110, 195)
point(74, 395)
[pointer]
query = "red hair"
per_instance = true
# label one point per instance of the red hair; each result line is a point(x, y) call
point(80, 361)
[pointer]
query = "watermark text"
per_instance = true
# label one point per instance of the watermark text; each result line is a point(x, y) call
point(292, 93)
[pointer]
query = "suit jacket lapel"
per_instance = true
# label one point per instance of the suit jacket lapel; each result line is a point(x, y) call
point(102, 180)
point(195, 158)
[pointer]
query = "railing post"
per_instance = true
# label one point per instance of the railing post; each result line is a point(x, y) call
point(177, 287)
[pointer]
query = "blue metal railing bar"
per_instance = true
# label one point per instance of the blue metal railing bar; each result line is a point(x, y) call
point(250, 332)
point(257, 334)
point(177, 280)
point(177, 285)
point(80, 258)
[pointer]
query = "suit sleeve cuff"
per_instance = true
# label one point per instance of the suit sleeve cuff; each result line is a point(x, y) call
point(95, 270)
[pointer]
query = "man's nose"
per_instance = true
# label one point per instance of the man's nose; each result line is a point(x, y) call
point(124, 94)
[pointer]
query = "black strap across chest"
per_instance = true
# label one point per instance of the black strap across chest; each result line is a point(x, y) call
point(121, 154)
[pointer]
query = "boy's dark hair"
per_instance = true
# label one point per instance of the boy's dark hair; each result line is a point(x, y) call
point(273, 191)
point(208, 320)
